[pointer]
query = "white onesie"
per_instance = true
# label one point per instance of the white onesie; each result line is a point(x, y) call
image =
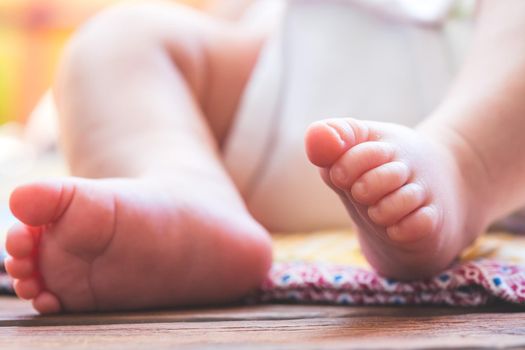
point(378, 60)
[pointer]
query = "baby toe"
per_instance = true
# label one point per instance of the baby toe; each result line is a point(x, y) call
point(395, 206)
point(20, 241)
point(358, 160)
point(46, 303)
point(19, 268)
point(417, 225)
point(327, 140)
point(27, 288)
point(378, 182)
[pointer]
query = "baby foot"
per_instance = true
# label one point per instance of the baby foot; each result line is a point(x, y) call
point(404, 191)
point(86, 245)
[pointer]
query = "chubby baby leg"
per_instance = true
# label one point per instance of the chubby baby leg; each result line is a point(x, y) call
point(159, 218)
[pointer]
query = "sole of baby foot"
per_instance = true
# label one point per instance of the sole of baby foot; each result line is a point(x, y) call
point(403, 189)
point(121, 244)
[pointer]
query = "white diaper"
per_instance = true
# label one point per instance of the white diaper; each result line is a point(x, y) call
point(330, 58)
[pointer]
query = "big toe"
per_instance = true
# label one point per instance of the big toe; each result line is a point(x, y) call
point(328, 139)
point(40, 203)
point(46, 303)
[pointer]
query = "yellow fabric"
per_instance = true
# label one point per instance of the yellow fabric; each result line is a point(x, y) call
point(32, 35)
point(341, 247)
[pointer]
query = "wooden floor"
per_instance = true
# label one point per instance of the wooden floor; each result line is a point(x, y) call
point(268, 327)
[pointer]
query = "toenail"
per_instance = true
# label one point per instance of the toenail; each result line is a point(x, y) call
point(338, 175)
point(393, 233)
point(373, 213)
point(342, 129)
point(360, 188)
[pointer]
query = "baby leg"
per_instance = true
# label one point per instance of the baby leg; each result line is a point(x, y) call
point(145, 94)
point(419, 196)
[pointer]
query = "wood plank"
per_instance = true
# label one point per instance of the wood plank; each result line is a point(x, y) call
point(269, 326)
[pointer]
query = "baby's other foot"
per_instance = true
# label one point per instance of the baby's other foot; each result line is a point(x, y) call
point(403, 189)
point(116, 244)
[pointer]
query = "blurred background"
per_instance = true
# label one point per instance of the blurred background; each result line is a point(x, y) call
point(32, 35)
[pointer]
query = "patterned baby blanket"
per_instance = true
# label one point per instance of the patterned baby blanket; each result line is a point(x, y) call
point(328, 267)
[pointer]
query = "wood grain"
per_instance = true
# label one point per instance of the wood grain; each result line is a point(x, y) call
point(268, 326)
